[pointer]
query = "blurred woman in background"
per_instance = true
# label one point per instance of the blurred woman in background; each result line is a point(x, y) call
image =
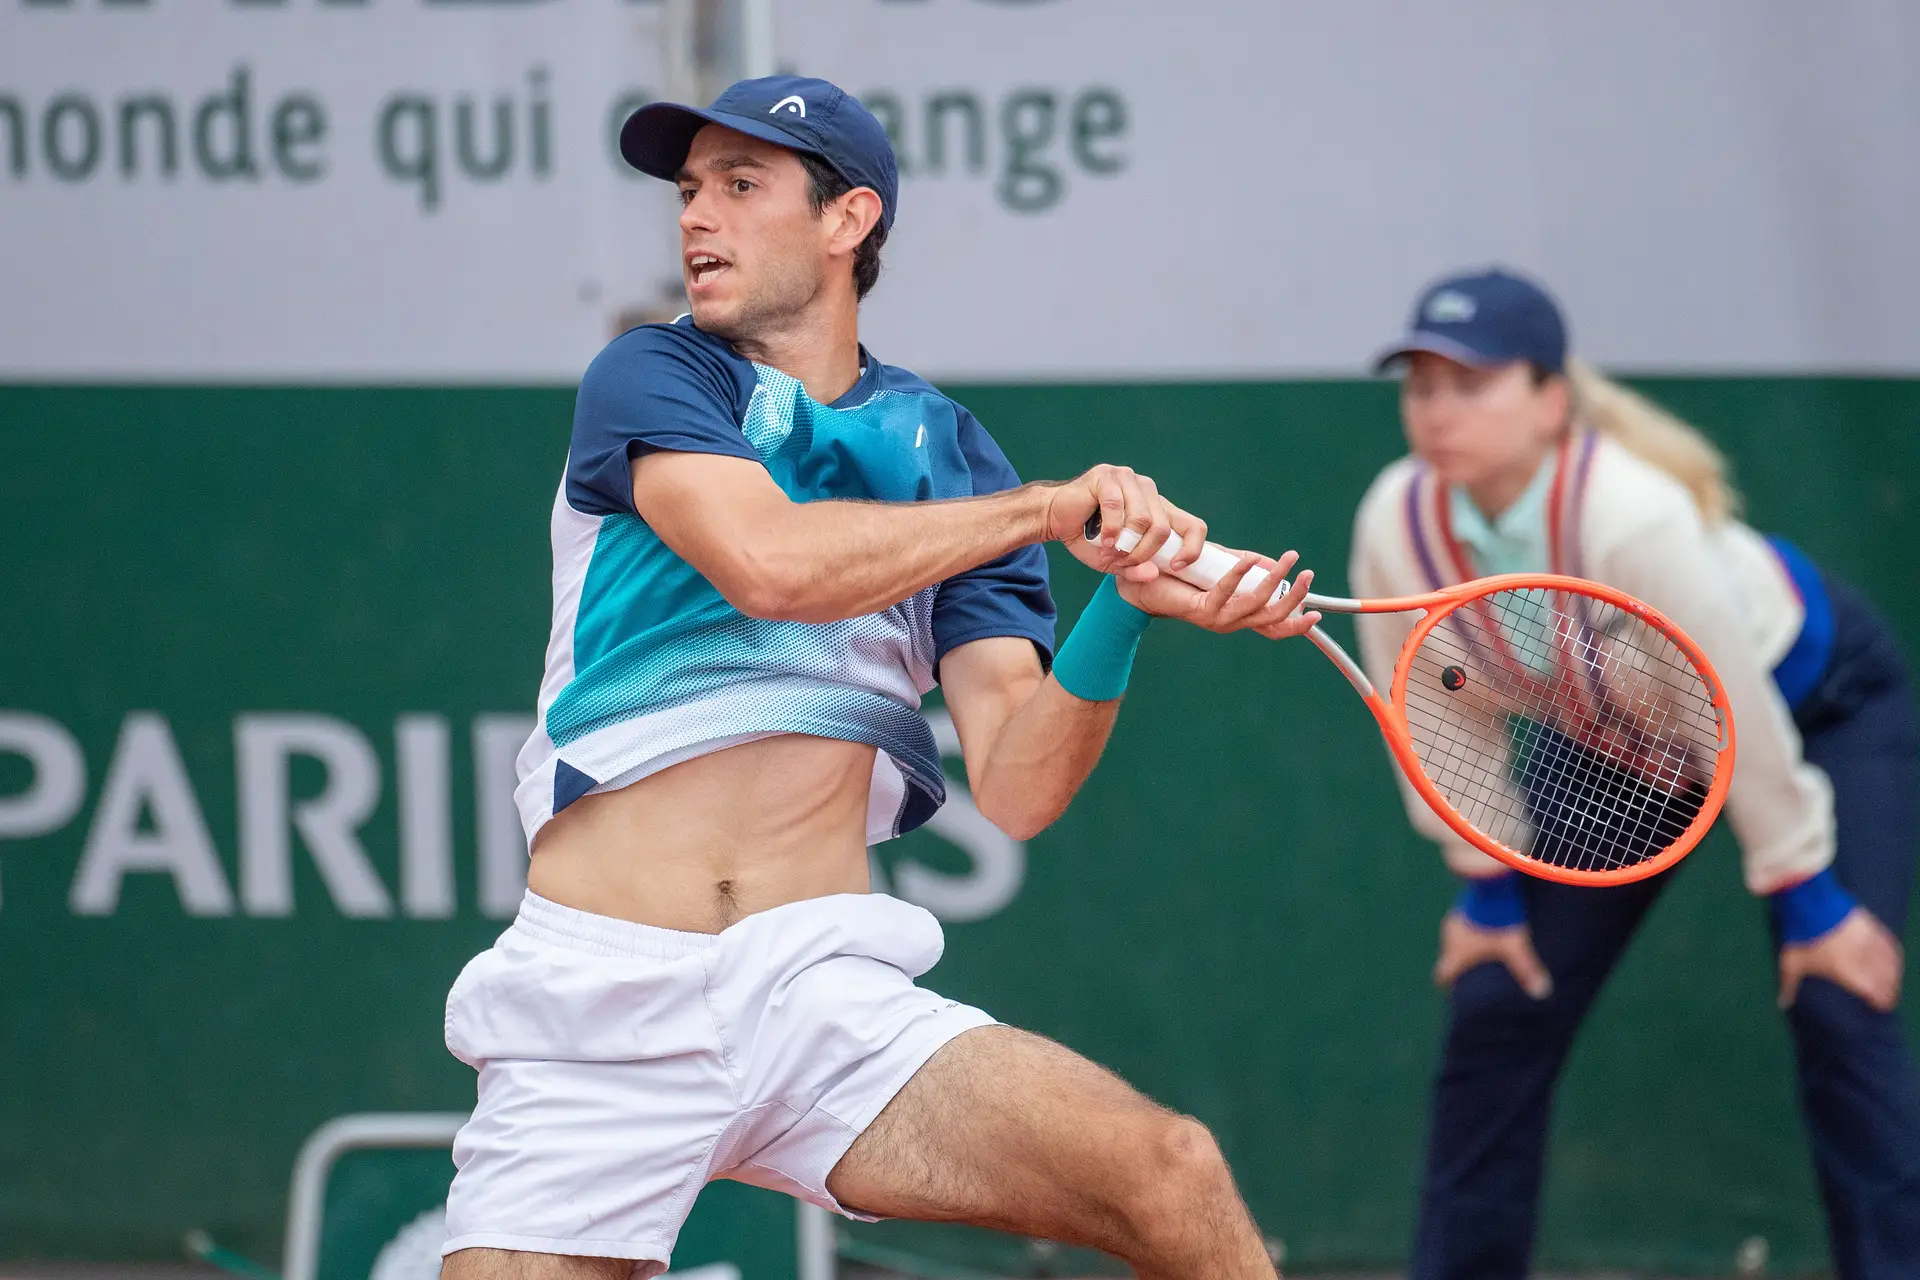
point(1527, 461)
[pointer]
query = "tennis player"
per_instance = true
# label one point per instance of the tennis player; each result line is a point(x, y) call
point(1527, 461)
point(767, 546)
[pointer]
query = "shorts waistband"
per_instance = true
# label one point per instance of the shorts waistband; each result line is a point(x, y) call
point(576, 930)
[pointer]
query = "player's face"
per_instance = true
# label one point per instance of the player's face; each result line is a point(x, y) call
point(752, 249)
point(1479, 426)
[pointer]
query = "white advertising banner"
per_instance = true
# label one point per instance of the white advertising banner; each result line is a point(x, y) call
point(426, 190)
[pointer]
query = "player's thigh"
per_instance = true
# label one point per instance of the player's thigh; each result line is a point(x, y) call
point(1005, 1128)
point(515, 1264)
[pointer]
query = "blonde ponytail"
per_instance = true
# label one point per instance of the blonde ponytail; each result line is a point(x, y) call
point(1652, 434)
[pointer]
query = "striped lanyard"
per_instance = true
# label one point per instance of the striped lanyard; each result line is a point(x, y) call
point(1428, 507)
point(1429, 510)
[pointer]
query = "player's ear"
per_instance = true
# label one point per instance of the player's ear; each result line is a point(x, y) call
point(854, 215)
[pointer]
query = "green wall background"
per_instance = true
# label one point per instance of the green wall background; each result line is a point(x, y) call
point(1234, 914)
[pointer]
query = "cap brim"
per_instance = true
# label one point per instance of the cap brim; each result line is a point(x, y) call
point(656, 138)
point(1436, 345)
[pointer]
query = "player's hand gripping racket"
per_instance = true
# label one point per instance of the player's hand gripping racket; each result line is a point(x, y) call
point(1564, 727)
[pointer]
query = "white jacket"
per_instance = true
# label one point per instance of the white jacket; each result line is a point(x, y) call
point(1619, 520)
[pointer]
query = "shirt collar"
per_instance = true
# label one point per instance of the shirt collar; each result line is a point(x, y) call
point(864, 386)
point(1520, 526)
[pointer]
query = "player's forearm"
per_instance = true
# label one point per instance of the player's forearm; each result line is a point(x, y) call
point(1046, 747)
point(1040, 758)
point(823, 561)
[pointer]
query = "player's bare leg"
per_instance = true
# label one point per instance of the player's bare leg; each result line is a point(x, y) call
point(509, 1264)
point(1006, 1129)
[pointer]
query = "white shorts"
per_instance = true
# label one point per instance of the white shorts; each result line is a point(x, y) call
point(622, 1067)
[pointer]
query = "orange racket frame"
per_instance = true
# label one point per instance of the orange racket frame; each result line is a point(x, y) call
point(1390, 711)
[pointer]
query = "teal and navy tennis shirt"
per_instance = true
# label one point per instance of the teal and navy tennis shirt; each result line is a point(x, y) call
point(648, 665)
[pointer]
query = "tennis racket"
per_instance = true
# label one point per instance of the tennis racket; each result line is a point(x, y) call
point(1561, 726)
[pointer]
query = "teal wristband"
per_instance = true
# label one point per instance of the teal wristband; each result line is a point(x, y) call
point(1097, 658)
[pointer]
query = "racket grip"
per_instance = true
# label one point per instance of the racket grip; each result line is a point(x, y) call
point(1212, 564)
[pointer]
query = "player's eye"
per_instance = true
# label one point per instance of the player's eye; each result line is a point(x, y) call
point(741, 186)
point(686, 195)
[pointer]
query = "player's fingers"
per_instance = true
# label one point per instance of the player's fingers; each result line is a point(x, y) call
point(1113, 505)
point(1524, 963)
point(1193, 535)
point(1456, 953)
point(1146, 517)
point(1882, 965)
point(1879, 988)
point(1273, 590)
point(1176, 545)
point(1792, 969)
point(1896, 967)
point(1298, 625)
point(1225, 604)
point(1456, 957)
point(1283, 607)
point(1250, 606)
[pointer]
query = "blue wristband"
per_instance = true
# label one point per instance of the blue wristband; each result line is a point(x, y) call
point(1494, 902)
point(1097, 657)
point(1812, 908)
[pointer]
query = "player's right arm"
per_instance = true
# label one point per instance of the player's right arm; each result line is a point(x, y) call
point(657, 433)
point(772, 557)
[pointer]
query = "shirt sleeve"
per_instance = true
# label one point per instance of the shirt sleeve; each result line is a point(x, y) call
point(655, 387)
point(1780, 805)
point(1004, 597)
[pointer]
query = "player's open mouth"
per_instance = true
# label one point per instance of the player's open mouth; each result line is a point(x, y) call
point(705, 268)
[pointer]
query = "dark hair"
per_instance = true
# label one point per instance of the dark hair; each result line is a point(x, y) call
point(825, 184)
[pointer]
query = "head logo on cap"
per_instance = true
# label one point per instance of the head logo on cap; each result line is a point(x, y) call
point(1450, 306)
point(812, 117)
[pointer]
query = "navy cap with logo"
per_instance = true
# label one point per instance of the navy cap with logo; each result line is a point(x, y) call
point(796, 112)
point(1484, 318)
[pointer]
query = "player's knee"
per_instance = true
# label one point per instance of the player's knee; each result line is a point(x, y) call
point(1182, 1169)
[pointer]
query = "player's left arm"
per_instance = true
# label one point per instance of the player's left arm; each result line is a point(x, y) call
point(1030, 736)
point(1029, 742)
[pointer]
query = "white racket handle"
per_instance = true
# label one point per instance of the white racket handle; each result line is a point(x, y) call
point(1211, 566)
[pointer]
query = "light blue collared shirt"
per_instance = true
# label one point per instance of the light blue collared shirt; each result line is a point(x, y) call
point(1516, 540)
point(1513, 542)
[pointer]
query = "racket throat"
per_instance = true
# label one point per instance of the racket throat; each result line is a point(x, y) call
point(1348, 667)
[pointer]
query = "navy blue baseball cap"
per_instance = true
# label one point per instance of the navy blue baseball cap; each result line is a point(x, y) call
point(796, 112)
point(1485, 318)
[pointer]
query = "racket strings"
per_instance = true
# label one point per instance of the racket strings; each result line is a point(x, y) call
point(1564, 727)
